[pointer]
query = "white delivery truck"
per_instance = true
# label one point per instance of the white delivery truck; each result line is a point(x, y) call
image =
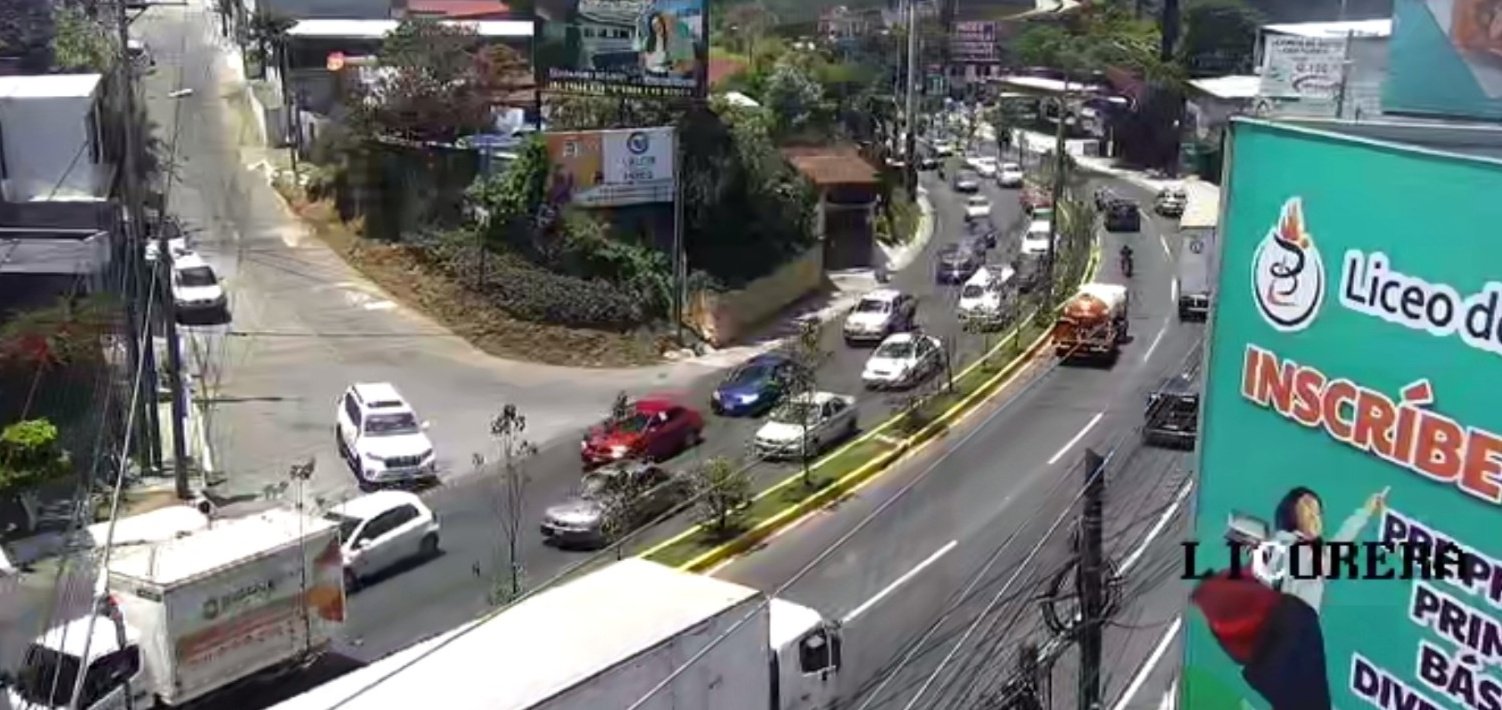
point(1198, 226)
point(194, 615)
point(603, 642)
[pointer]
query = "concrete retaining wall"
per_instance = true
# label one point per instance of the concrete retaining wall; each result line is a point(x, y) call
point(723, 318)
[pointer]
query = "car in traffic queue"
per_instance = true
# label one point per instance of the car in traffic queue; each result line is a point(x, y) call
point(988, 299)
point(381, 437)
point(652, 429)
point(957, 261)
point(1034, 197)
point(966, 182)
point(1104, 196)
point(983, 165)
point(977, 207)
point(753, 387)
point(983, 231)
point(1171, 417)
point(879, 314)
point(612, 501)
point(381, 530)
point(928, 162)
point(902, 361)
point(1123, 216)
point(1035, 239)
point(1170, 202)
point(943, 149)
point(1009, 175)
point(805, 425)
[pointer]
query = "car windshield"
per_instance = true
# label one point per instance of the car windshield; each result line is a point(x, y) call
point(47, 677)
point(752, 373)
point(347, 525)
point(196, 276)
point(871, 305)
point(973, 291)
point(979, 202)
point(1011, 167)
point(895, 351)
point(796, 413)
point(391, 424)
point(634, 424)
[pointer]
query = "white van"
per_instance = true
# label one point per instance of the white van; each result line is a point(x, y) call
point(988, 299)
point(1035, 239)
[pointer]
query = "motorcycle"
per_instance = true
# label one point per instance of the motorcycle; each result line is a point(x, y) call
point(1126, 264)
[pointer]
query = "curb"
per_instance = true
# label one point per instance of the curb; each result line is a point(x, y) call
point(903, 256)
point(868, 470)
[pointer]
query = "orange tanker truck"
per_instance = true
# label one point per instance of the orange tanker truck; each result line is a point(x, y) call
point(1094, 323)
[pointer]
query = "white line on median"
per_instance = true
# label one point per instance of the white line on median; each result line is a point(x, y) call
point(873, 601)
point(1157, 529)
point(1173, 293)
point(1147, 668)
point(1070, 444)
point(1154, 345)
point(1163, 241)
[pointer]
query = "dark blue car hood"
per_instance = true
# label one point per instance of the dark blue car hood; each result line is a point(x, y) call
point(737, 389)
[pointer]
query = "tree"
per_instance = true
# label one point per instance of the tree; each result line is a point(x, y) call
point(440, 82)
point(68, 332)
point(721, 492)
point(1004, 118)
point(793, 98)
point(508, 429)
point(30, 455)
point(79, 43)
point(806, 349)
point(1219, 37)
point(268, 34)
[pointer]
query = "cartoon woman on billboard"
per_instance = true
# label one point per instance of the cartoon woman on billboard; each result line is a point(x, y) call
point(1274, 633)
point(666, 41)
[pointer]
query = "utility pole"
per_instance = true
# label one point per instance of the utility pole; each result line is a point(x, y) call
point(135, 222)
point(174, 368)
point(1091, 583)
point(911, 157)
point(1056, 191)
point(680, 256)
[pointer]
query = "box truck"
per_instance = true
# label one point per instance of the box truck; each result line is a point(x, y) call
point(1194, 281)
point(603, 642)
point(181, 619)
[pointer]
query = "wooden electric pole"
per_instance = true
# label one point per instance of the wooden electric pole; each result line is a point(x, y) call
point(1091, 582)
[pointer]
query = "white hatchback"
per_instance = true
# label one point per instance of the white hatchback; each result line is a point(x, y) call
point(1009, 175)
point(1035, 239)
point(195, 286)
point(380, 436)
point(381, 530)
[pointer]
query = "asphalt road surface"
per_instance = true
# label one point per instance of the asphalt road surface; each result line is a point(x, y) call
point(936, 568)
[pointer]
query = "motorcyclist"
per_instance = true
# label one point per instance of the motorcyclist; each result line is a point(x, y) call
point(1126, 259)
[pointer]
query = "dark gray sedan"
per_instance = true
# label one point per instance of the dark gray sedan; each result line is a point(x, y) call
point(611, 502)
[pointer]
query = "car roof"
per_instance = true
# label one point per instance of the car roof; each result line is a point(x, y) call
point(653, 405)
point(882, 294)
point(773, 358)
point(1178, 385)
point(372, 504)
point(901, 338)
point(379, 395)
point(188, 260)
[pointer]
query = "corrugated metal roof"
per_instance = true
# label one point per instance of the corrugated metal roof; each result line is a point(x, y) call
point(1230, 87)
point(1354, 28)
point(831, 166)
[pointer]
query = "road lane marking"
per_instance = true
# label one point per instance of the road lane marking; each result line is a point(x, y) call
point(1154, 345)
point(1171, 698)
point(1070, 444)
point(1167, 253)
point(1147, 668)
point(873, 601)
point(1157, 528)
point(1173, 292)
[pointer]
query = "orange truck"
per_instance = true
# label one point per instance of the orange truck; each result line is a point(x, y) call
point(1093, 323)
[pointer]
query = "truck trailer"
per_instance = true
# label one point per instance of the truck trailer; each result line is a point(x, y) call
point(182, 619)
point(1093, 324)
point(603, 642)
point(1198, 227)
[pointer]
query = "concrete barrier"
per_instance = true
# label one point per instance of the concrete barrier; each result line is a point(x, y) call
point(724, 317)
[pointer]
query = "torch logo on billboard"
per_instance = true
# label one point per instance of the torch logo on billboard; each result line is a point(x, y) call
point(1288, 276)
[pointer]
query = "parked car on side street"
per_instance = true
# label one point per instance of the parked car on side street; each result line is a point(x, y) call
point(612, 501)
point(754, 387)
point(825, 418)
point(653, 429)
point(977, 207)
point(902, 361)
point(1123, 216)
point(879, 314)
point(1009, 175)
point(196, 289)
point(966, 182)
point(381, 530)
point(379, 434)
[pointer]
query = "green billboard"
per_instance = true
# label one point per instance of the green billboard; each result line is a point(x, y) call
point(1353, 393)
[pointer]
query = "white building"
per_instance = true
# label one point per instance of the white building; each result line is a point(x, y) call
point(50, 145)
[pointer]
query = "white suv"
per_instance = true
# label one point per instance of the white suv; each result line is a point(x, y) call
point(381, 437)
point(382, 530)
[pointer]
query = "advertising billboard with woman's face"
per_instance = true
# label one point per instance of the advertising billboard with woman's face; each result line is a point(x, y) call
point(1354, 374)
point(1445, 59)
point(648, 48)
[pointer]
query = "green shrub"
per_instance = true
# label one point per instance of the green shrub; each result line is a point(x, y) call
point(531, 293)
point(30, 455)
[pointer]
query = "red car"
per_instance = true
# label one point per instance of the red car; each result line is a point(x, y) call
point(655, 430)
point(1035, 197)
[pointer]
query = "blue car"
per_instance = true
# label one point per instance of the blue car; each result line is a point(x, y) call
point(754, 387)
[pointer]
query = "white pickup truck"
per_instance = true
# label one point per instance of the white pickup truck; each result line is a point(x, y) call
point(189, 617)
point(806, 425)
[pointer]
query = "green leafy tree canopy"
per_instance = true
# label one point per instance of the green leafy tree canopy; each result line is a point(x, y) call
point(30, 455)
point(1219, 37)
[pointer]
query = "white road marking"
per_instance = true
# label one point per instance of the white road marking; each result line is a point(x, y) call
point(1147, 668)
point(873, 601)
point(1070, 444)
point(1167, 253)
point(1154, 345)
point(379, 306)
point(1173, 293)
point(1171, 698)
point(1157, 528)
